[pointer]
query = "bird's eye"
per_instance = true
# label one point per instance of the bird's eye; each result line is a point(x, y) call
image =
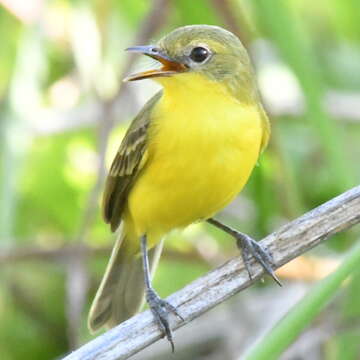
point(199, 54)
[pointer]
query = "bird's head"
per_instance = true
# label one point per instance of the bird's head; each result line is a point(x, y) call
point(208, 51)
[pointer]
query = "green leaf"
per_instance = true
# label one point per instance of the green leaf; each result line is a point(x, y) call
point(304, 312)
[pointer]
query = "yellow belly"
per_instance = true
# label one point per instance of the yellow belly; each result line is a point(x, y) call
point(201, 151)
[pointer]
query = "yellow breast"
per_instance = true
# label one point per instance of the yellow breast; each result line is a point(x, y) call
point(203, 145)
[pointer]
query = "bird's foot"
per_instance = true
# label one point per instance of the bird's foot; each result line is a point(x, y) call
point(249, 246)
point(161, 310)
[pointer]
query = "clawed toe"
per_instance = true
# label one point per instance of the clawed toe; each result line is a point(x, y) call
point(249, 247)
point(172, 309)
point(161, 310)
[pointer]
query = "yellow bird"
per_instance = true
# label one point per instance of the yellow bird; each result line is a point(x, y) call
point(186, 155)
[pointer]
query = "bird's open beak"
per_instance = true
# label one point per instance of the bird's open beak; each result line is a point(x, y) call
point(169, 66)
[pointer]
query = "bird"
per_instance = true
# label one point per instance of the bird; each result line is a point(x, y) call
point(186, 155)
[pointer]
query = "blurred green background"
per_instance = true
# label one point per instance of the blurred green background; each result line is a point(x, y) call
point(63, 112)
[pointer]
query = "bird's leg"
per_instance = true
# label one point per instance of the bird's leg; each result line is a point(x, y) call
point(159, 307)
point(248, 246)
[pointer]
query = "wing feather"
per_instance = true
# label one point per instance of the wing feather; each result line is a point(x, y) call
point(128, 161)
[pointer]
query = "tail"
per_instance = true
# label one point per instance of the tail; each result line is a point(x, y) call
point(121, 292)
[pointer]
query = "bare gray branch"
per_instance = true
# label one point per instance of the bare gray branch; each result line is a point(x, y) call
point(218, 285)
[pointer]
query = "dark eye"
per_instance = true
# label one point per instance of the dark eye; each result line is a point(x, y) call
point(199, 54)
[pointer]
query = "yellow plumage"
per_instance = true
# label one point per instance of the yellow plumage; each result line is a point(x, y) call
point(203, 144)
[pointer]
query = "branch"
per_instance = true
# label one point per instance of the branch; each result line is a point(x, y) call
point(218, 285)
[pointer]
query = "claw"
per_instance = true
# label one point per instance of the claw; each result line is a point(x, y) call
point(249, 245)
point(173, 309)
point(161, 310)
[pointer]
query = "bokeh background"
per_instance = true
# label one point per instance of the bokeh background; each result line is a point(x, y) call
point(63, 112)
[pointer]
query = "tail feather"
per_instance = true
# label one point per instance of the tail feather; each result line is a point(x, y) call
point(121, 292)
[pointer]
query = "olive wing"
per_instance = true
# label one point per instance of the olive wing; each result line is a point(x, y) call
point(128, 161)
